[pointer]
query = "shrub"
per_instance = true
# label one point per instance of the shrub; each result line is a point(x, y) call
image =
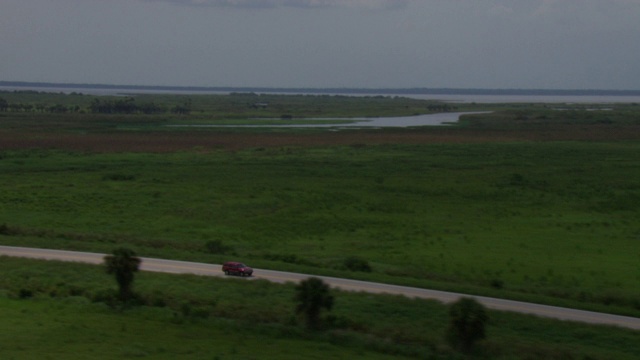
point(189, 311)
point(468, 319)
point(25, 294)
point(497, 283)
point(290, 259)
point(313, 295)
point(6, 230)
point(118, 177)
point(517, 179)
point(107, 296)
point(355, 263)
point(217, 247)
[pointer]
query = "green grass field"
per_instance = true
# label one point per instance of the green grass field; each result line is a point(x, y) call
point(52, 310)
point(554, 219)
point(528, 203)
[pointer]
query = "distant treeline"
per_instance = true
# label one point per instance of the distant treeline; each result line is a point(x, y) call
point(120, 106)
point(129, 106)
point(390, 91)
point(19, 107)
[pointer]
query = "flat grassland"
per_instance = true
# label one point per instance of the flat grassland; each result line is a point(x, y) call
point(529, 202)
point(54, 309)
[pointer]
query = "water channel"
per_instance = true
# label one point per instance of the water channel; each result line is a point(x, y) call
point(438, 119)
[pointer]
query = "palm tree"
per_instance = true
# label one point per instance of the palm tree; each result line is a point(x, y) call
point(4, 105)
point(123, 263)
point(312, 296)
point(468, 319)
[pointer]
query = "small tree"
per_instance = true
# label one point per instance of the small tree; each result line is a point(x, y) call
point(123, 263)
point(468, 319)
point(355, 263)
point(312, 296)
point(4, 105)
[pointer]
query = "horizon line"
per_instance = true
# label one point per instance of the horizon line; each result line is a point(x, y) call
point(372, 90)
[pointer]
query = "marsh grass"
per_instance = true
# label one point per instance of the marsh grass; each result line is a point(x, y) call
point(555, 220)
point(240, 105)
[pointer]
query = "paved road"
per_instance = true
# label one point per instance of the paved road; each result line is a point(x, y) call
point(183, 267)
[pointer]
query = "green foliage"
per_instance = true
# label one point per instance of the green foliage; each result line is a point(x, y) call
point(289, 258)
point(108, 297)
point(5, 230)
point(123, 263)
point(549, 116)
point(467, 322)
point(123, 106)
point(218, 247)
point(312, 296)
point(25, 293)
point(355, 263)
point(215, 108)
point(118, 177)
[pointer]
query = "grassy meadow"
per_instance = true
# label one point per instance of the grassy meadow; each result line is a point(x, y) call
point(46, 304)
point(551, 219)
point(530, 202)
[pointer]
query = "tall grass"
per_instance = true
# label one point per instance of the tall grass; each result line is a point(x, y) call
point(551, 219)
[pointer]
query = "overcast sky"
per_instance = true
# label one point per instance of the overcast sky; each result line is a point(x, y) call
point(524, 44)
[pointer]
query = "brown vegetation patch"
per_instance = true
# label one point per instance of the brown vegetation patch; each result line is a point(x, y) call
point(159, 142)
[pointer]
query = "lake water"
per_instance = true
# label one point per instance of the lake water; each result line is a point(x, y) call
point(537, 99)
point(403, 121)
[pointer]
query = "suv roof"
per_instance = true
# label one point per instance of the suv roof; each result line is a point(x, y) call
point(232, 263)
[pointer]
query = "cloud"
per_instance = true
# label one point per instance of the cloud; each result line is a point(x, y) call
point(500, 9)
point(551, 6)
point(367, 4)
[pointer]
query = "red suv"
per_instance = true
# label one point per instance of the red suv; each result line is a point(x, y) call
point(236, 268)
